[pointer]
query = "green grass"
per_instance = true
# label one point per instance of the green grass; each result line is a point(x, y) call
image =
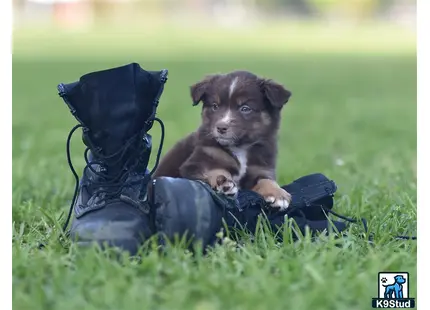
point(354, 102)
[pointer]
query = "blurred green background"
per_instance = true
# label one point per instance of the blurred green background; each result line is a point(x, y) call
point(351, 66)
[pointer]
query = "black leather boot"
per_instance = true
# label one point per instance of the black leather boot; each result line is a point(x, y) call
point(192, 209)
point(116, 109)
point(188, 210)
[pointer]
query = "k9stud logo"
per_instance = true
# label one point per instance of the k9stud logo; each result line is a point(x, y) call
point(393, 291)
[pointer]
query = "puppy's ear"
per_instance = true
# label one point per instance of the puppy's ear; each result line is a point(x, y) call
point(275, 93)
point(198, 90)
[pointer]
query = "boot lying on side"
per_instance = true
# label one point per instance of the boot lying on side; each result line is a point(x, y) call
point(192, 209)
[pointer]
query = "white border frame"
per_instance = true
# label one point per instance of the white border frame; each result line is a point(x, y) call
point(6, 155)
point(423, 173)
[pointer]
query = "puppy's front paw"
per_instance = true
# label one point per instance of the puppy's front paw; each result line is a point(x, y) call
point(225, 186)
point(280, 199)
point(221, 181)
point(276, 196)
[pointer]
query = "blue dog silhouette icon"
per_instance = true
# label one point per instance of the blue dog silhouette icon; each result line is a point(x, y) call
point(395, 290)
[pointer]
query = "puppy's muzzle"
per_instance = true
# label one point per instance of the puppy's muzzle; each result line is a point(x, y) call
point(222, 129)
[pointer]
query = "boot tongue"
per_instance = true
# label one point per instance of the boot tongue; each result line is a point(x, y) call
point(115, 104)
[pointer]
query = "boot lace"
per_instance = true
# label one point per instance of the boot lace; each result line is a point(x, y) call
point(109, 186)
point(364, 222)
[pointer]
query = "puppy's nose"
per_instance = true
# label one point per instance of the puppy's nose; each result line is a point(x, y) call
point(222, 129)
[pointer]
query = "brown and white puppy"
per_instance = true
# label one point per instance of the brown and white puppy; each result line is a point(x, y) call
point(236, 143)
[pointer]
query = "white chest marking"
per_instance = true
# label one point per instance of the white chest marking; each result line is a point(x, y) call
point(242, 156)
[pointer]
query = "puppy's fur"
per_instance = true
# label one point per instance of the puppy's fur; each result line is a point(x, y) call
point(236, 143)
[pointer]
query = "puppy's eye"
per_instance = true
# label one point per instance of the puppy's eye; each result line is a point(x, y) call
point(214, 107)
point(245, 109)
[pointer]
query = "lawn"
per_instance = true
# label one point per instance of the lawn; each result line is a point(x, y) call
point(352, 116)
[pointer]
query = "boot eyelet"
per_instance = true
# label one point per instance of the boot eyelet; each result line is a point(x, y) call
point(328, 191)
point(305, 201)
